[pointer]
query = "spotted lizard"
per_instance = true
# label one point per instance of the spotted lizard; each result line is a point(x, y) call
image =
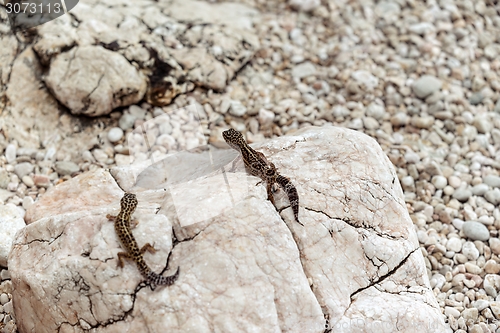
point(259, 166)
point(123, 229)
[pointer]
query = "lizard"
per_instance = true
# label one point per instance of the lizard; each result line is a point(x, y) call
point(259, 166)
point(128, 205)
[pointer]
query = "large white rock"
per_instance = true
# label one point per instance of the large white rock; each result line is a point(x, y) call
point(11, 221)
point(91, 80)
point(354, 266)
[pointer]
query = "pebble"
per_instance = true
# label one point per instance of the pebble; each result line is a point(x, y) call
point(449, 311)
point(27, 202)
point(494, 245)
point(64, 168)
point(482, 124)
point(115, 134)
point(41, 181)
point(439, 182)
point(137, 111)
point(491, 267)
point(23, 169)
point(375, 110)
point(475, 231)
point(493, 196)
point(4, 298)
point(426, 85)
point(479, 189)
point(470, 314)
point(491, 284)
point(454, 244)
point(303, 70)
point(462, 195)
point(5, 275)
point(126, 121)
point(265, 117)
point(237, 109)
point(470, 250)
point(4, 179)
point(10, 153)
point(481, 304)
point(28, 181)
point(491, 180)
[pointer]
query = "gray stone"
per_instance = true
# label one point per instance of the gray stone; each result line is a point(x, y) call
point(475, 231)
point(493, 196)
point(126, 121)
point(23, 169)
point(426, 85)
point(479, 189)
point(303, 70)
point(462, 194)
point(4, 298)
point(5, 275)
point(64, 168)
point(375, 110)
point(470, 250)
point(4, 179)
point(492, 180)
point(115, 134)
point(137, 112)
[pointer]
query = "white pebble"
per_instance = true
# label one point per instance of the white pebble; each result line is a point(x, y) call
point(439, 182)
point(10, 153)
point(454, 244)
point(115, 134)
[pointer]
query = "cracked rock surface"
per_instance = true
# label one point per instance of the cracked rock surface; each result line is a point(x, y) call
point(163, 40)
point(355, 266)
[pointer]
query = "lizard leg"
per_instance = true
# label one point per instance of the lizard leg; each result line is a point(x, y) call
point(147, 247)
point(111, 218)
point(121, 258)
point(134, 223)
point(236, 160)
point(270, 193)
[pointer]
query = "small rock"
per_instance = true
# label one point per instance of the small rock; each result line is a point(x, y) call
point(462, 195)
point(41, 181)
point(491, 284)
point(4, 179)
point(481, 304)
point(400, 119)
point(470, 250)
point(237, 109)
point(28, 181)
point(479, 189)
point(4, 298)
point(366, 79)
point(27, 202)
point(495, 308)
point(491, 267)
point(494, 245)
point(454, 244)
point(439, 182)
point(265, 117)
point(493, 196)
point(471, 268)
point(303, 70)
point(304, 5)
point(423, 122)
point(5, 275)
point(448, 310)
point(137, 112)
point(64, 168)
point(10, 153)
point(375, 110)
point(476, 231)
point(370, 123)
point(470, 314)
point(491, 180)
point(426, 85)
point(23, 169)
point(115, 134)
point(126, 121)
point(458, 223)
point(483, 125)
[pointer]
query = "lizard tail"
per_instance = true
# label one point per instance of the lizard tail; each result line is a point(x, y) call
point(291, 192)
point(156, 279)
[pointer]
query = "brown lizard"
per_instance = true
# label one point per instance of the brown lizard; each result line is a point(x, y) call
point(259, 166)
point(122, 227)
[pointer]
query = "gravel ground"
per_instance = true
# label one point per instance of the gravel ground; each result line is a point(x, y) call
point(423, 79)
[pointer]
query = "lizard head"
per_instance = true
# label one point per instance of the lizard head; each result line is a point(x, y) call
point(233, 138)
point(128, 202)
